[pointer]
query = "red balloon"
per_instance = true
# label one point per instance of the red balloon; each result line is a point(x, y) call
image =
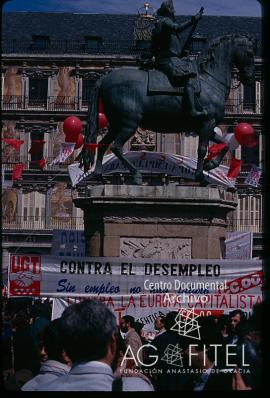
point(244, 134)
point(80, 141)
point(72, 126)
point(102, 121)
point(71, 137)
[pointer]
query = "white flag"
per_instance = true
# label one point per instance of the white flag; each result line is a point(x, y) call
point(75, 173)
point(254, 176)
point(67, 149)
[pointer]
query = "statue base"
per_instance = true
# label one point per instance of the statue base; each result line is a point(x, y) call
point(163, 222)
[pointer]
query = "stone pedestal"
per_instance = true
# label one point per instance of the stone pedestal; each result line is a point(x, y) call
point(170, 221)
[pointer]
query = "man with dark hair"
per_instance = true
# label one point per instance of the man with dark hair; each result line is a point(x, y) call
point(160, 325)
point(237, 318)
point(57, 363)
point(89, 335)
point(132, 339)
point(167, 48)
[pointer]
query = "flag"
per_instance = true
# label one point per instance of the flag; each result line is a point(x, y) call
point(67, 149)
point(36, 146)
point(254, 176)
point(215, 150)
point(75, 173)
point(235, 168)
point(17, 171)
point(16, 144)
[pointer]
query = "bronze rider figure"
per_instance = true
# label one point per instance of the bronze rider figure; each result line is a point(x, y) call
point(167, 47)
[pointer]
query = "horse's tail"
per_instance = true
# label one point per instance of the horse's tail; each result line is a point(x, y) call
point(89, 153)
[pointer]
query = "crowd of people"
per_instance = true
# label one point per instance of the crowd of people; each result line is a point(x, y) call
point(85, 350)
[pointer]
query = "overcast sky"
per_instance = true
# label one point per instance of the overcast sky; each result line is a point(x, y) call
point(183, 7)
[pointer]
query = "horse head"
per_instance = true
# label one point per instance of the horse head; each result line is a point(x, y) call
point(243, 58)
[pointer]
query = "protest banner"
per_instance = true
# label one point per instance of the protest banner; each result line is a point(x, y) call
point(143, 288)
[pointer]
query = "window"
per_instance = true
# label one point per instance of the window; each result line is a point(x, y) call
point(197, 44)
point(92, 43)
point(143, 44)
point(249, 214)
point(41, 42)
point(36, 214)
point(249, 98)
point(25, 214)
point(87, 87)
point(38, 91)
point(37, 148)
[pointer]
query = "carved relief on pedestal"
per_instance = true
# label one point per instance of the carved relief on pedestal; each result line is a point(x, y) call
point(157, 248)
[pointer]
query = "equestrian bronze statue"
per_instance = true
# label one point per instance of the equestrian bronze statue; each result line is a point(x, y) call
point(147, 98)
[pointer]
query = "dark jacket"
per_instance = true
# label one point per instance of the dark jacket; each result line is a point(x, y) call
point(171, 379)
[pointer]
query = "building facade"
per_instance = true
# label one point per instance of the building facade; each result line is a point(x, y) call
point(50, 63)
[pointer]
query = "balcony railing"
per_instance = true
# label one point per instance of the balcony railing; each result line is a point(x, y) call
point(246, 225)
point(49, 223)
point(71, 103)
point(9, 165)
point(43, 223)
point(52, 103)
point(237, 106)
point(75, 47)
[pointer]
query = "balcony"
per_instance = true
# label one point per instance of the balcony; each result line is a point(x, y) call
point(43, 223)
point(73, 47)
point(73, 103)
point(241, 107)
point(246, 225)
point(52, 103)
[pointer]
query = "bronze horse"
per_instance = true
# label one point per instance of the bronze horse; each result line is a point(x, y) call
point(127, 105)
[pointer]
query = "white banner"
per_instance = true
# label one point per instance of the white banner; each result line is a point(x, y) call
point(155, 162)
point(142, 288)
point(67, 148)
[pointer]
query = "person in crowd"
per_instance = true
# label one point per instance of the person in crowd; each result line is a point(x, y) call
point(138, 326)
point(236, 317)
point(209, 371)
point(89, 335)
point(122, 370)
point(56, 364)
point(224, 327)
point(167, 379)
point(41, 318)
point(249, 354)
point(23, 355)
point(6, 343)
point(132, 338)
point(159, 325)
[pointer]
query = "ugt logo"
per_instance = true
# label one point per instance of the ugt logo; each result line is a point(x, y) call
point(24, 275)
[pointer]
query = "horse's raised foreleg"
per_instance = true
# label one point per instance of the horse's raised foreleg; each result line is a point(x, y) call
point(117, 149)
point(213, 163)
point(204, 136)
